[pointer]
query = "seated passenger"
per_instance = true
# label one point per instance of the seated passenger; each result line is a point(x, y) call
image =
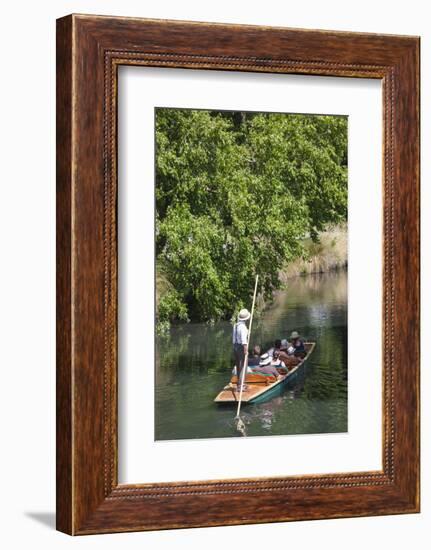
point(297, 345)
point(286, 349)
point(277, 346)
point(277, 361)
point(265, 366)
point(287, 355)
point(254, 357)
point(284, 355)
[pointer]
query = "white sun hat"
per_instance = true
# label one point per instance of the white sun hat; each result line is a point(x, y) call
point(265, 360)
point(244, 315)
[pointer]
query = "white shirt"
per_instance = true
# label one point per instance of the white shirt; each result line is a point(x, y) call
point(240, 333)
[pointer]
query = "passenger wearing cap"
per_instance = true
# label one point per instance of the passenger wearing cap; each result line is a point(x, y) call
point(240, 340)
point(297, 343)
point(265, 366)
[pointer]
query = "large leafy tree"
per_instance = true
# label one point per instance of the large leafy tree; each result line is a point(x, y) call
point(235, 194)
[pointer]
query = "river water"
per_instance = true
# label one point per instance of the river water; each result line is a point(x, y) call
point(195, 360)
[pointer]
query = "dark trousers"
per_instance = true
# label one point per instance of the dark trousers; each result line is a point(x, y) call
point(238, 350)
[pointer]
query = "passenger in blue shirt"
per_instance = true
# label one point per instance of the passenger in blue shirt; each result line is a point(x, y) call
point(298, 344)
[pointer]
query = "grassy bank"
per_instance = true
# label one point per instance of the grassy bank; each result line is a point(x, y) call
point(329, 254)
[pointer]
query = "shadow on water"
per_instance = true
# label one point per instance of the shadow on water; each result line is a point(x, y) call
point(194, 362)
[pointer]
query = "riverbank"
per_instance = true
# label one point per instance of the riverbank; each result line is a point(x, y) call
point(329, 254)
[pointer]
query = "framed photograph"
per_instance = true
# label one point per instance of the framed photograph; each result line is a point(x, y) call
point(237, 274)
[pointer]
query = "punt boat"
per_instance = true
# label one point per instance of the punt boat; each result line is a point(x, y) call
point(262, 387)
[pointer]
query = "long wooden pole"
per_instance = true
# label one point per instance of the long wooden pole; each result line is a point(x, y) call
point(244, 368)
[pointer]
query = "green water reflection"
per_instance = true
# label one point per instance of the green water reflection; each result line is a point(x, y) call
point(194, 362)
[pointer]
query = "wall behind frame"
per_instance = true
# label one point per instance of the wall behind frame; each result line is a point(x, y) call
point(27, 289)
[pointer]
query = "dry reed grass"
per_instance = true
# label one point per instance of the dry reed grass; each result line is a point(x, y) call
point(329, 254)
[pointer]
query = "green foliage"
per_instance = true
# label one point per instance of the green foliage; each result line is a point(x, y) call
point(235, 194)
point(307, 156)
point(170, 307)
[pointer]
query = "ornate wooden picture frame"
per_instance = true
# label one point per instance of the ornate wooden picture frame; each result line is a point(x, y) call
point(89, 51)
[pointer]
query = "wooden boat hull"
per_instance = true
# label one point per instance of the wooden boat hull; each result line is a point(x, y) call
point(258, 393)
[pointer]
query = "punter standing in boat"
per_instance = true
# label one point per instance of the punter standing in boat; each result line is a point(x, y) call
point(239, 340)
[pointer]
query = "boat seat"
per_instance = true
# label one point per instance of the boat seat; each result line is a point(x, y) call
point(255, 378)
